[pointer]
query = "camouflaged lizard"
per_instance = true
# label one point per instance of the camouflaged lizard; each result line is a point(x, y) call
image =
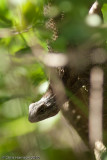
point(77, 83)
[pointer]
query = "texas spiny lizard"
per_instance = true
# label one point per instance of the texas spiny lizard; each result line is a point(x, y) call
point(78, 84)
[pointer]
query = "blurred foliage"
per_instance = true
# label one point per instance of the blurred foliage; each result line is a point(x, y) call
point(22, 74)
point(104, 156)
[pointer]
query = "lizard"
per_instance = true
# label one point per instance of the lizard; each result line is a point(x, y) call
point(78, 83)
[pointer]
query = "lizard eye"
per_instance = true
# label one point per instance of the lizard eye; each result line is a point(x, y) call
point(41, 109)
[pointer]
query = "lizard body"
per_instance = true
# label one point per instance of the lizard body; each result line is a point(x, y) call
point(77, 83)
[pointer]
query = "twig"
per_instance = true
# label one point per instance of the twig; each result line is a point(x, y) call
point(96, 101)
point(99, 150)
point(95, 106)
point(96, 9)
point(4, 33)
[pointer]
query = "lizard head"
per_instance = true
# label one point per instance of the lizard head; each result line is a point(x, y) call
point(46, 107)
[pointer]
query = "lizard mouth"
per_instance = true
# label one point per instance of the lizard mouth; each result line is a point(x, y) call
point(46, 107)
